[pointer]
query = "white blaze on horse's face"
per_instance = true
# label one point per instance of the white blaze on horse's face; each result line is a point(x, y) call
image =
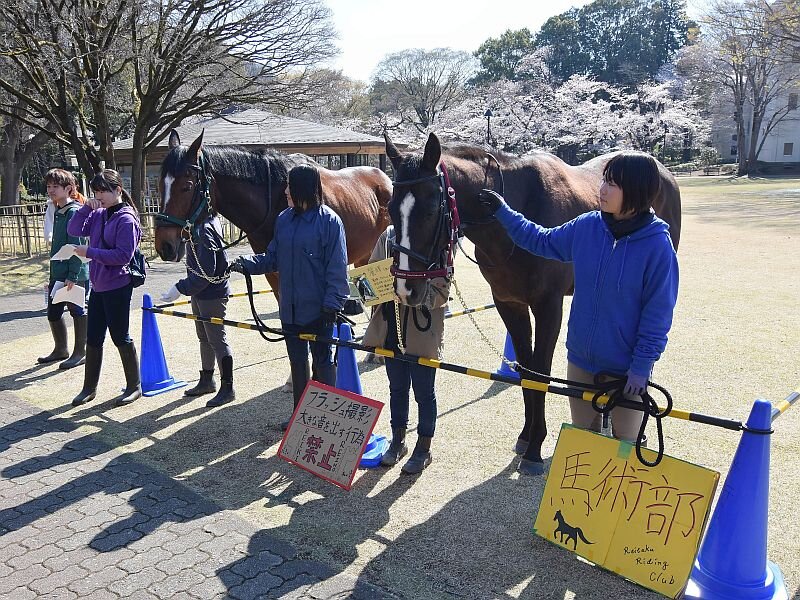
point(168, 181)
point(405, 240)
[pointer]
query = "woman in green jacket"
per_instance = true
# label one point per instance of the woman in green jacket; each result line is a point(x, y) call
point(63, 191)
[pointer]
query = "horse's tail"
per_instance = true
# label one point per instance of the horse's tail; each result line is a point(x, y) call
point(579, 531)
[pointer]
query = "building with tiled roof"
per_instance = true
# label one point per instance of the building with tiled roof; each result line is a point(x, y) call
point(256, 129)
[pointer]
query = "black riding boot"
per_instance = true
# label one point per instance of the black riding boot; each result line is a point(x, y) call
point(397, 449)
point(299, 381)
point(225, 393)
point(206, 385)
point(79, 349)
point(133, 382)
point(91, 375)
point(60, 350)
point(420, 457)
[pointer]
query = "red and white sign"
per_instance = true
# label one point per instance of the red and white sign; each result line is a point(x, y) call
point(329, 431)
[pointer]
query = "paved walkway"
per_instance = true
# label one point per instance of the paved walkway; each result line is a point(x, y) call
point(79, 519)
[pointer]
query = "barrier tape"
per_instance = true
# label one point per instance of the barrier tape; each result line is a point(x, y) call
point(185, 302)
point(528, 384)
point(784, 405)
point(468, 311)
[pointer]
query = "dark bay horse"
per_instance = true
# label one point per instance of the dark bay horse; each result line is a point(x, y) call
point(544, 189)
point(249, 189)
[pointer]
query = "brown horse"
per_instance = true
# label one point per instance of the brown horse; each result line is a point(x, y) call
point(249, 189)
point(544, 189)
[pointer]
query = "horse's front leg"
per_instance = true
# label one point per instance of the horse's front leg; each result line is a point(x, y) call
point(518, 324)
point(547, 315)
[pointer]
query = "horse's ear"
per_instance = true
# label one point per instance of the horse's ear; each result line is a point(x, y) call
point(194, 149)
point(433, 152)
point(174, 139)
point(391, 151)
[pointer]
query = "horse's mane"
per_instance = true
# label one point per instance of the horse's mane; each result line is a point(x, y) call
point(259, 168)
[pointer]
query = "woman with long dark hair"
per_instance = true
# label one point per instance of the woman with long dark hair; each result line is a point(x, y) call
point(111, 222)
point(310, 254)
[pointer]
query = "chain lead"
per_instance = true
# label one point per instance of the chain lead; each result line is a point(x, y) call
point(510, 364)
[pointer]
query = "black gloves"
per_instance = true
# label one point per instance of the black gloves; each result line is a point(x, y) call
point(237, 265)
point(490, 200)
point(328, 318)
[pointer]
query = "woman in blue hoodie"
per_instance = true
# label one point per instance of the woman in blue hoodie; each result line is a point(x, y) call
point(626, 282)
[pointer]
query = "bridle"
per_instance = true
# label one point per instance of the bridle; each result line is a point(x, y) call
point(441, 265)
point(201, 201)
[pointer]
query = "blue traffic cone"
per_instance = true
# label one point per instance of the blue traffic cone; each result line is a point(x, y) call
point(153, 364)
point(373, 453)
point(347, 377)
point(732, 563)
point(509, 353)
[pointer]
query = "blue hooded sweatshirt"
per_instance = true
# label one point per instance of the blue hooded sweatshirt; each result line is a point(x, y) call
point(625, 290)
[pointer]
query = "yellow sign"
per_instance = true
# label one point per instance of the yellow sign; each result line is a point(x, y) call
point(644, 523)
point(373, 282)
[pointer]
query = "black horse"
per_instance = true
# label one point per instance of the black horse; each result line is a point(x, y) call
point(544, 189)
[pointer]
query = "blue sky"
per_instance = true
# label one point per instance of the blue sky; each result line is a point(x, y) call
point(370, 29)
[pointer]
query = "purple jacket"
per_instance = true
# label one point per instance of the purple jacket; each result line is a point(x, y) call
point(108, 269)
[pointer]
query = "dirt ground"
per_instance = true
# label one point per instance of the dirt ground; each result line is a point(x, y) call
point(464, 527)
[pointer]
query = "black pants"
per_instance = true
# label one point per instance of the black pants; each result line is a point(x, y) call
point(321, 356)
point(56, 311)
point(110, 311)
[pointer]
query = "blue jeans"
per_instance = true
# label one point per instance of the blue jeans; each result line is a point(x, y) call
point(321, 357)
point(109, 310)
point(402, 375)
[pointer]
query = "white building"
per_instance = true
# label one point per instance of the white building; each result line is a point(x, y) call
point(782, 144)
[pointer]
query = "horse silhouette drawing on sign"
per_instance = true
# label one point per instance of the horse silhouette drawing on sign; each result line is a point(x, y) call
point(567, 532)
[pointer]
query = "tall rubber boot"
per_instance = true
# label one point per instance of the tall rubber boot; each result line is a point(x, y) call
point(79, 349)
point(133, 381)
point(225, 393)
point(206, 385)
point(299, 381)
point(91, 375)
point(420, 457)
point(397, 449)
point(60, 350)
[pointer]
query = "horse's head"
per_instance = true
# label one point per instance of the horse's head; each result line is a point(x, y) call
point(183, 187)
point(425, 221)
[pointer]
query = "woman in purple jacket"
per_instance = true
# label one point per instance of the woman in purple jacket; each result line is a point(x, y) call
point(112, 224)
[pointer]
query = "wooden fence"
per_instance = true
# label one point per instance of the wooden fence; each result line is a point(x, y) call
point(22, 231)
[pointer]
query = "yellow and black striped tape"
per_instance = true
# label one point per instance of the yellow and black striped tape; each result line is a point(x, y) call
point(529, 384)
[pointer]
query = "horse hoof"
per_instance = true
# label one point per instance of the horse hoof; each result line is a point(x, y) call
point(530, 467)
point(521, 447)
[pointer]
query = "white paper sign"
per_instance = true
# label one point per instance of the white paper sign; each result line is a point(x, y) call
point(60, 293)
point(66, 252)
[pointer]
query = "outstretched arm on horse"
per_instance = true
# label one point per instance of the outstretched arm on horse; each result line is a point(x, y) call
point(555, 243)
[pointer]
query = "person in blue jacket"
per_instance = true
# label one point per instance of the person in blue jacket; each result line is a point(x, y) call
point(207, 284)
point(309, 252)
point(626, 282)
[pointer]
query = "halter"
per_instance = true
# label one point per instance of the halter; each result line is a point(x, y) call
point(441, 266)
point(201, 201)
